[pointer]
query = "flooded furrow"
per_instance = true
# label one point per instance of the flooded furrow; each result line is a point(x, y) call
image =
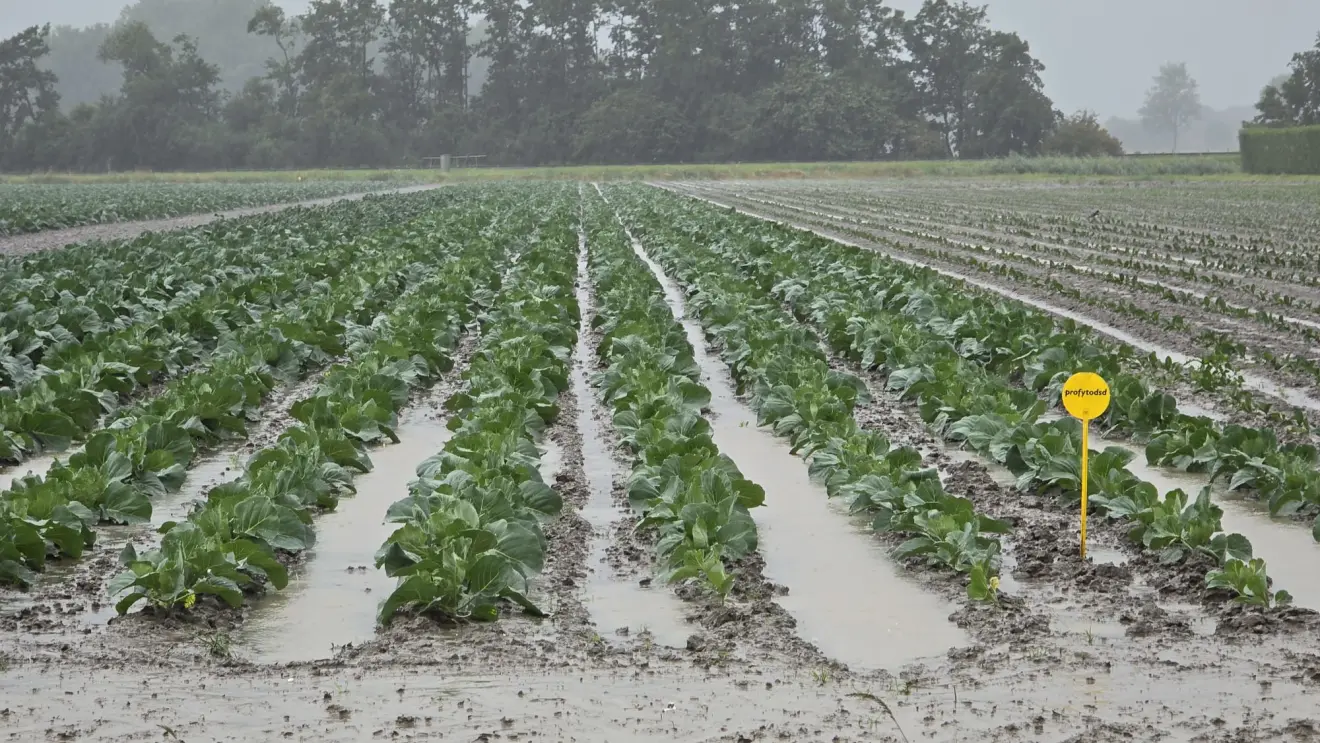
point(38, 466)
point(614, 602)
point(332, 600)
point(1288, 549)
point(1294, 396)
point(848, 597)
point(99, 564)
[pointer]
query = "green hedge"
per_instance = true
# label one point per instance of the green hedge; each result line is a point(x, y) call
point(1294, 149)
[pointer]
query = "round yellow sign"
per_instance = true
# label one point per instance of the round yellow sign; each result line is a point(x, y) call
point(1085, 396)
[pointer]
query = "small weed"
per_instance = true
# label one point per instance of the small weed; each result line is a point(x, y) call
point(884, 706)
point(1040, 654)
point(219, 645)
point(905, 687)
point(1090, 635)
point(821, 676)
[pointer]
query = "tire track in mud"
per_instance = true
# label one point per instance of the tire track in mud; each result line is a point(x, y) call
point(332, 598)
point(619, 592)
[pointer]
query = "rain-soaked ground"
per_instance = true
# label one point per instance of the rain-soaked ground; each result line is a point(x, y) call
point(825, 637)
point(332, 601)
point(811, 546)
point(614, 601)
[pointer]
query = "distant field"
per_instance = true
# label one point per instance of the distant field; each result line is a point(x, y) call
point(34, 206)
point(1145, 166)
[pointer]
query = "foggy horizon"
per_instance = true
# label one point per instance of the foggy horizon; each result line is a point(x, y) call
point(1231, 50)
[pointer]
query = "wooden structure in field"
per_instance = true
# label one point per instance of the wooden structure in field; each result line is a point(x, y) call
point(445, 162)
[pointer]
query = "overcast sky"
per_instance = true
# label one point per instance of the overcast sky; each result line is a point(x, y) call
point(1099, 54)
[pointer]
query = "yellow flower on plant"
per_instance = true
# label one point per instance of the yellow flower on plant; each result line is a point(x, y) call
point(188, 602)
point(994, 583)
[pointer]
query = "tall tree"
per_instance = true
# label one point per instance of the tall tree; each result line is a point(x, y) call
point(27, 92)
point(339, 37)
point(269, 20)
point(982, 89)
point(1172, 102)
point(356, 82)
point(167, 101)
point(1010, 113)
point(1294, 100)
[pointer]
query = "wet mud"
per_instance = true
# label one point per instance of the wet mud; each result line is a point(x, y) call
point(809, 546)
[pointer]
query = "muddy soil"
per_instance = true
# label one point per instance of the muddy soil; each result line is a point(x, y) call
point(32, 242)
point(1114, 648)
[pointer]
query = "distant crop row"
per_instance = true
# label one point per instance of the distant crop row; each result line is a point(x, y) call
point(28, 208)
point(1271, 330)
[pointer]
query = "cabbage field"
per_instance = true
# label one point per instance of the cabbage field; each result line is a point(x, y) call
point(27, 208)
point(576, 461)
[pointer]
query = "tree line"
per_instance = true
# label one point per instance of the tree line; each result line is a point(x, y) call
point(369, 83)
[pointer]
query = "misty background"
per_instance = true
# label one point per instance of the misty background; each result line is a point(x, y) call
point(1098, 55)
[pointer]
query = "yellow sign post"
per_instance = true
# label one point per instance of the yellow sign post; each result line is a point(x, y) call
point(1085, 396)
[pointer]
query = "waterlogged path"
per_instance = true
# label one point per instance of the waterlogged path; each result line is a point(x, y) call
point(332, 601)
point(614, 602)
point(1290, 552)
point(848, 597)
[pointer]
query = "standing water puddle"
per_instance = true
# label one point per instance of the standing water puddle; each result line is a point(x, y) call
point(207, 472)
point(35, 466)
point(613, 602)
point(332, 600)
point(846, 594)
point(552, 459)
point(1289, 551)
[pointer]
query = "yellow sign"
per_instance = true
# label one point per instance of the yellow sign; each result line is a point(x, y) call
point(1085, 396)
